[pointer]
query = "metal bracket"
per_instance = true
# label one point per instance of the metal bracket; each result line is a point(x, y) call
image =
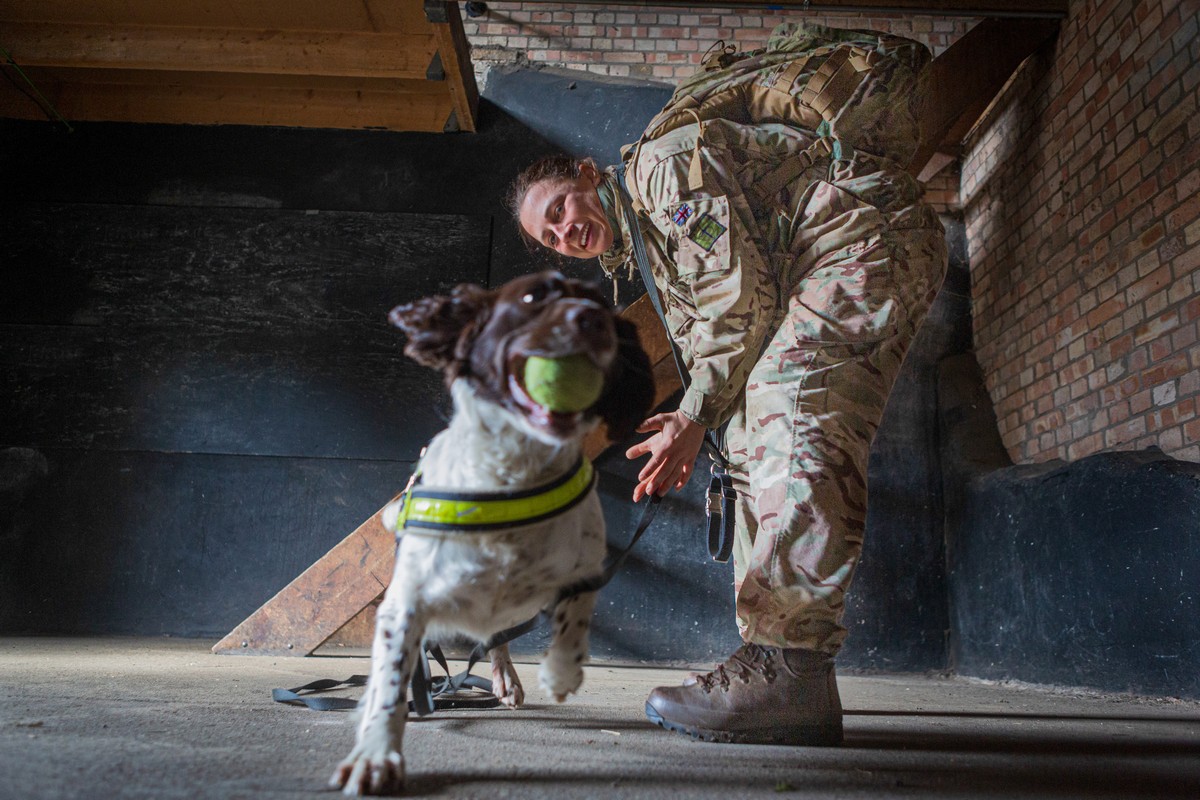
point(435, 71)
point(437, 11)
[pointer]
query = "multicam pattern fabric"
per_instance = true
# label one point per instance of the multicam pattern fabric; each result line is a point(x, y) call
point(793, 327)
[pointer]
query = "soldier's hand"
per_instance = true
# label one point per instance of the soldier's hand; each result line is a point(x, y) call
point(673, 450)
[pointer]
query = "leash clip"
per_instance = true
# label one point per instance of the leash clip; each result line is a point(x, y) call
point(719, 509)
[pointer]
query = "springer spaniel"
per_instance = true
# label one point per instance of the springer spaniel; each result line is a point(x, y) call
point(499, 439)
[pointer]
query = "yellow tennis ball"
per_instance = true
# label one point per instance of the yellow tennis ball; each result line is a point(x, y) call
point(566, 385)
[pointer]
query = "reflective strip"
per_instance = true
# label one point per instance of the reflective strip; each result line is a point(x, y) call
point(428, 508)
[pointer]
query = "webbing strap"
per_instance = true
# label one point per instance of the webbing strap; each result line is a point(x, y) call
point(786, 77)
point(773, 182)
point(300, 696)
point(836, 80)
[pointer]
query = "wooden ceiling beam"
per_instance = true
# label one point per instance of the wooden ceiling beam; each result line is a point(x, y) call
point(963, 81)
point(344, 54)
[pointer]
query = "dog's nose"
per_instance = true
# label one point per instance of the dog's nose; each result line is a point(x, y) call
point(588, 319)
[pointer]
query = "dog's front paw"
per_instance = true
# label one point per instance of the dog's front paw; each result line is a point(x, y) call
point(506, 685)
point(560, 679)
point(362, 773)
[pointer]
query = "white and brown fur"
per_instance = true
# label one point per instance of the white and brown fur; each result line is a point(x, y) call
point(476, 584)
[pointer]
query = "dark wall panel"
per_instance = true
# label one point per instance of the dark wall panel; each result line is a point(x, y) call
point(1083, 574)
point(184, 544)
point(222, 330)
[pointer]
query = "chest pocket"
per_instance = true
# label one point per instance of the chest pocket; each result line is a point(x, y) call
point(700, 231)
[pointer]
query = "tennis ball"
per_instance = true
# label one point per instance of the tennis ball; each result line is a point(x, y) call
point(566, 385)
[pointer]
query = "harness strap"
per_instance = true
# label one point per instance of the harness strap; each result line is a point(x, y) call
point(773, 182)
point(468, 512)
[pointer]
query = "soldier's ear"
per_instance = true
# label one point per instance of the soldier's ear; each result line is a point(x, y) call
point(589, 172)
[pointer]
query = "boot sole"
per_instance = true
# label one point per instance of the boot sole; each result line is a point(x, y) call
point(803, 735)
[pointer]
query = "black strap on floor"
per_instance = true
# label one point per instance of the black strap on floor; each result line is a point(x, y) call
point(295, 698)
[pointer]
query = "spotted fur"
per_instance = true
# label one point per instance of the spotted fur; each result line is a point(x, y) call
point(477, 584)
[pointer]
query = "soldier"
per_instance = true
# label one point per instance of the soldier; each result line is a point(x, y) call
point(793, 301)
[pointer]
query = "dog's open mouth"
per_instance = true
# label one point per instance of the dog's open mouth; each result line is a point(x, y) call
point(558, 421)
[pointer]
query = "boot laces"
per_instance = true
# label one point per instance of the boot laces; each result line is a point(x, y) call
point(746, 662)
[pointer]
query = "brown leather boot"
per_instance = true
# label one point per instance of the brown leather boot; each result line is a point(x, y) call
point(761, 695)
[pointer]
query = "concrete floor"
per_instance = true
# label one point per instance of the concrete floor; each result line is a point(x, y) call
point(164, 718)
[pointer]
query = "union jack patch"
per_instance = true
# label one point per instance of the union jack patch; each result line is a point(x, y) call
point(706, 232)
point(682, 215)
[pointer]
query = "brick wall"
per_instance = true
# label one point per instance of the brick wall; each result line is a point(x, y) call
point(1082, 205)
point(662, 43)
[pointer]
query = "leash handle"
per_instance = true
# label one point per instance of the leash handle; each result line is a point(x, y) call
point(719, 509)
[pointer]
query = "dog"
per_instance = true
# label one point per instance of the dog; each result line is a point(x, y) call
point(499, 439)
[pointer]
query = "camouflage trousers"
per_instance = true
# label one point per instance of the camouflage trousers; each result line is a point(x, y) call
point(800, 439)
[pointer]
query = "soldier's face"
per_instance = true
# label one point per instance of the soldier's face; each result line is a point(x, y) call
point(567, 216)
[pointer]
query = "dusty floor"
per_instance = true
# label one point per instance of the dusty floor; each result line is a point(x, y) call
point(163, 718)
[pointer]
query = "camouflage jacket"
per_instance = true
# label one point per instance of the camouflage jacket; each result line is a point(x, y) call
point(725, 256)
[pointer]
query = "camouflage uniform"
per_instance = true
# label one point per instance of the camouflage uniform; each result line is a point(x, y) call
point(793, 312)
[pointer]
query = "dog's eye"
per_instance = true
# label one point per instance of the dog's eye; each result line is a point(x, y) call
point(535, 295)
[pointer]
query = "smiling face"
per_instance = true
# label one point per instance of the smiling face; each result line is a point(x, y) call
point(566, 215)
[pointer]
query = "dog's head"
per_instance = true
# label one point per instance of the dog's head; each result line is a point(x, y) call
point(486, 336)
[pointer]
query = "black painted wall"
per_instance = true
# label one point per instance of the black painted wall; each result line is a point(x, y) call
point(194, 342)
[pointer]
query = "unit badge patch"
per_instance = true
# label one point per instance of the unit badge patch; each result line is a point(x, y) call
point(682, 215)
point(706, 232)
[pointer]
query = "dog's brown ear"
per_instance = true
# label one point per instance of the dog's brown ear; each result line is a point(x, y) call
point(435, 325)
point(629, 391)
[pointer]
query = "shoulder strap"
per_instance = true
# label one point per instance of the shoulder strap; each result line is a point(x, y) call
point(721, 494)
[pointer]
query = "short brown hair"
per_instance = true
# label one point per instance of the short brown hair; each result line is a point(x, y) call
point(548, 168)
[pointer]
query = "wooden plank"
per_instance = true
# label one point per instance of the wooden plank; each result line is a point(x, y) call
point(455, 53)
point(218, 50)
point(962, 83)
point(321, 599)
point(974, 8)
point(298, 619)
point(313, 15)
point(178, 100)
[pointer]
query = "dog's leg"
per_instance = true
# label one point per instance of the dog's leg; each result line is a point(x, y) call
point(505, 683)
point(562, 668)
point(375, 765)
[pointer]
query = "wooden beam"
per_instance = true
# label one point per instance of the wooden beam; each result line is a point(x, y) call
point(455, 53)
point(321, 599)
point(247, 99)
point(1056, 9)
point(217, 50)
point(964, 80)
point(378, 16)
point(334, 596)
